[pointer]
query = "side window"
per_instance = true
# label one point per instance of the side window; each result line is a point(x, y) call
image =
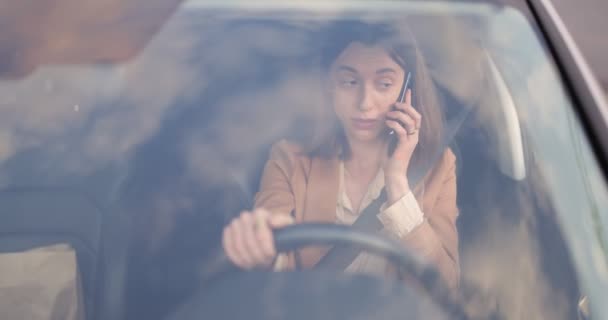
point(531, 193)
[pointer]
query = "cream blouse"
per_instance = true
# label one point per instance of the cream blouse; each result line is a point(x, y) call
point(398, 219)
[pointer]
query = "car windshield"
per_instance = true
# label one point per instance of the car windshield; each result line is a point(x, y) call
point(139, 163)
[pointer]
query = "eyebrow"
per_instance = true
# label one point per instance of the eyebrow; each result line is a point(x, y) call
point(386, 70)
point(353, 70)
point(347, 68)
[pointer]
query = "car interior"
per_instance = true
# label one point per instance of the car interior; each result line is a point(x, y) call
point(131, 268)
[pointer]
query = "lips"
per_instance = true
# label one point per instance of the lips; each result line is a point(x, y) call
point(364, 124)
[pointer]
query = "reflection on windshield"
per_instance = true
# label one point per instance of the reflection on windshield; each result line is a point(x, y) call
point(177, 138)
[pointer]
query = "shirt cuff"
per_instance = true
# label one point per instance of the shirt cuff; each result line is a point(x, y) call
point(402, 216)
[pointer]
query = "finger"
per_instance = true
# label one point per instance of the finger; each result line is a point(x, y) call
point(261, 213)
point(251, 240)
point(403, 106)
point(240, 242)
point(405, 119)
point(397, 127)
point(280, 220)
point(230, 246)
point(414, 114)
point(265, 237)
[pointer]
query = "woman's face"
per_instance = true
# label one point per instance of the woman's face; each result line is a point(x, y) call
point(365, 82)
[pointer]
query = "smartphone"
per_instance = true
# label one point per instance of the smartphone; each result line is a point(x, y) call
point(393, 139)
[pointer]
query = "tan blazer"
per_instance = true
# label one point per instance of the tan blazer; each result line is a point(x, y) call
point(295, 181)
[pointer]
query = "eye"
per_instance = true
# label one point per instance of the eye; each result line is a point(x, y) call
point(348, 83)
point(384, 84)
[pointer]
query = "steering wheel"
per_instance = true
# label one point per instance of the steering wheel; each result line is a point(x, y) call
point(302, 235)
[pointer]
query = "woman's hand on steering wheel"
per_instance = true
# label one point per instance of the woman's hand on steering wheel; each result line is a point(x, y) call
point(248, 239)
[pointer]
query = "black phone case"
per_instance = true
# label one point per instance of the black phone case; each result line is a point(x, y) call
point(393, 139)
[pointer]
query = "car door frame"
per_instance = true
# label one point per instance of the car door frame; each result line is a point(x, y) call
point(582, 86)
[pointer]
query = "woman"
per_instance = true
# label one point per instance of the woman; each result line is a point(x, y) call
point(334, 177)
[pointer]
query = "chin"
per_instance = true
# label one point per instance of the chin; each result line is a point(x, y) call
point(366, 136)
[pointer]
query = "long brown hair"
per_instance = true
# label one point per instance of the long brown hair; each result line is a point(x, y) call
point(328, 138)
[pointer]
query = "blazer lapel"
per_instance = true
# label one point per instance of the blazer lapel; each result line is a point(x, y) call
point(322, 191)
point(320, 202)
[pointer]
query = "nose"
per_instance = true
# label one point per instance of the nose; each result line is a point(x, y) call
point(366, 101)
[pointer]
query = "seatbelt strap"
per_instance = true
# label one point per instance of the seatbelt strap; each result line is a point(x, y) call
point(340, 257)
